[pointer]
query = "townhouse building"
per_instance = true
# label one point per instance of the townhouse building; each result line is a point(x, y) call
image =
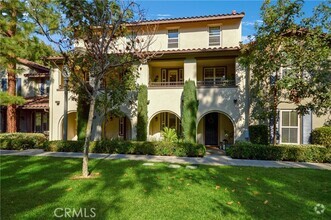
point(204, 49)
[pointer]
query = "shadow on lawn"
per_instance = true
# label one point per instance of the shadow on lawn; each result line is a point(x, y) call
point(34, 187)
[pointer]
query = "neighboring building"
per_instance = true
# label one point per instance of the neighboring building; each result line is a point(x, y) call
point(203, 49)
point(32, 83)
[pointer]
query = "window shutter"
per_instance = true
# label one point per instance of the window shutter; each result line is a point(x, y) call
point(306, 128)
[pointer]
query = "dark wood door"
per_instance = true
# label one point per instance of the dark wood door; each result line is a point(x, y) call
point(211, 129)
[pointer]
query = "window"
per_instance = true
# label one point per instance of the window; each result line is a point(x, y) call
point(19, 86)
point(214, 74)
point(171, 121)
point(4, 84)
point(214, 36)
point(40, 122)
point(121, 131)
point(289, 127)
point(173, 38)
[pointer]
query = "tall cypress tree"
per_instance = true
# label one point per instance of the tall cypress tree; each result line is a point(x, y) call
point(189, 111)
point(142, 114)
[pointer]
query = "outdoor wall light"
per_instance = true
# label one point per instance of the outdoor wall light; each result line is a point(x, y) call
point(235, 101)
point(156, 118)
point(148, 101)
point(57, 102)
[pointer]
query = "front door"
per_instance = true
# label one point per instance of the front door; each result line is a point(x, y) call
point(211, 129)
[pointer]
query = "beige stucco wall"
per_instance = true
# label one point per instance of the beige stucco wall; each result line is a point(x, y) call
point(56, 106)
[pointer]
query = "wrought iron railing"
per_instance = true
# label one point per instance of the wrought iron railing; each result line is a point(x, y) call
point(166, 84)
point(216, 83)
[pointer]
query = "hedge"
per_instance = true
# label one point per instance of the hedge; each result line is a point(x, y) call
point(302, 153)
point(22, 141)
point(131, 147)
point(322, 136)
point(258, 134)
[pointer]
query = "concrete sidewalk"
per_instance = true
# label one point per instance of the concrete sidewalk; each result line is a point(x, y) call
point(216, 160)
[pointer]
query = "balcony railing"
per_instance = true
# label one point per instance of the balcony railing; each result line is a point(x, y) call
point(216, 83)
point(166, 84)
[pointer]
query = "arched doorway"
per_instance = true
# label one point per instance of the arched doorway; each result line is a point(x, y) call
point(116, 127)
point(214, 129)
point(161, 120)
point(72, 126)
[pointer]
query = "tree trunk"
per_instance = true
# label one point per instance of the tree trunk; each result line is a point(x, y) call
point(88, 136)
point(11, 109)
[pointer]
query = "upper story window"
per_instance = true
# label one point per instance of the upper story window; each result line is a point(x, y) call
point(173, 38)
point(214, 36)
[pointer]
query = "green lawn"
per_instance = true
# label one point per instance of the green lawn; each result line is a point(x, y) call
point(33, 187)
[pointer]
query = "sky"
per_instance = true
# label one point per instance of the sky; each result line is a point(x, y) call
point(162, 9)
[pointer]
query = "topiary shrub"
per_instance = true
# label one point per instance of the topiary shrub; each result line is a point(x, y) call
point(142, 114)
point(22, 141)
point(258, 134)
point(189, 111)
point(302, 153)
point(322, 136)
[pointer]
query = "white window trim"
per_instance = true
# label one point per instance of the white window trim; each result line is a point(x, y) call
point(220, 35)
point(281, 126)
point(178, 38)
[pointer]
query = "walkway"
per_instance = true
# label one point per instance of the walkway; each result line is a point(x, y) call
point(211, 159)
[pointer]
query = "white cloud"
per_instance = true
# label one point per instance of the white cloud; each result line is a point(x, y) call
point(163, 16)
point(247, 39)
point(252, 23)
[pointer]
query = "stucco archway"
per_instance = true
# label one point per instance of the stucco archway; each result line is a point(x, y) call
point(162, 119)
point(215, 128)
point(117, 127)
point(72, 126)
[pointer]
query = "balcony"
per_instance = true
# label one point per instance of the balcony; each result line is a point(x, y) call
point(216, 83)
point(166, 84)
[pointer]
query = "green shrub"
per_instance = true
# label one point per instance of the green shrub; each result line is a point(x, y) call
point(189, 111)
point(307, 153)
point(142, 114)
point(169, 134)
point(65, 146)
point(22, 141)
point(131, 147)
point(322, 136)
point(258, 134)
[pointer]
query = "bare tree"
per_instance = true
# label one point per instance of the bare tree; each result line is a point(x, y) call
point(107, 36)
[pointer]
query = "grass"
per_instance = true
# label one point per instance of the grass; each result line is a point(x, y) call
point(33, 187)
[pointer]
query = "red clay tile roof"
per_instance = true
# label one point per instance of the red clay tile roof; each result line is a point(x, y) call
point(195, 18)
point(33, 64)
point(196, 50)
point(36, 103)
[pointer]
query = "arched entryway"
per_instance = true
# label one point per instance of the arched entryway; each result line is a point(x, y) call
point(72, 126)
point(214, 129)
point(161, 120)
point(116, 127)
